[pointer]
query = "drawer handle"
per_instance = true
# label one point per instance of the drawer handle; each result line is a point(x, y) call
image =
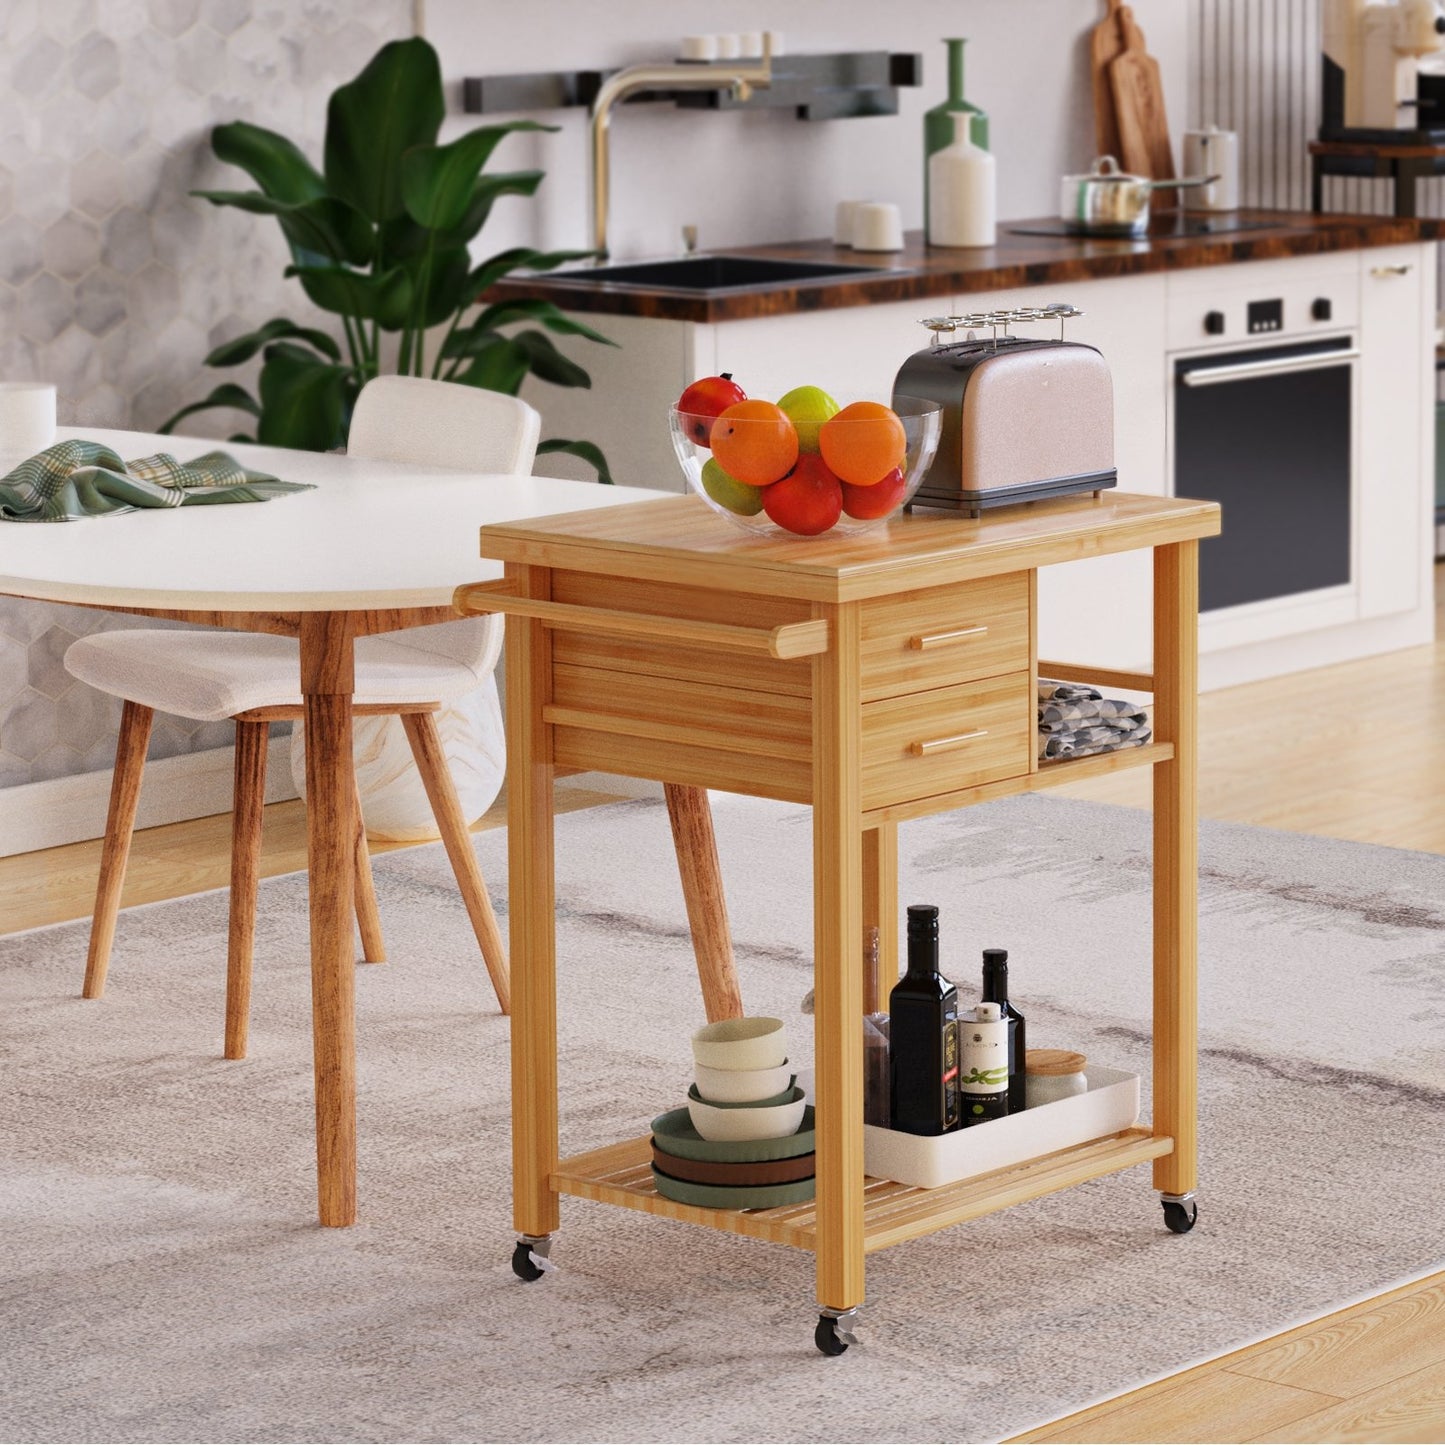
point(942, 639)
point(1382, 271)
point(944, 745)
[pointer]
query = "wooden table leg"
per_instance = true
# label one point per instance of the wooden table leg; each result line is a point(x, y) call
point(1176, 864)
point(327, 683)
point(838, 961)
point(531, 913)
point(707, 915)
point(880, 907)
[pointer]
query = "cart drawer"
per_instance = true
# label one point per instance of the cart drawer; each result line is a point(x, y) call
point(920, 640)
point(952, 737)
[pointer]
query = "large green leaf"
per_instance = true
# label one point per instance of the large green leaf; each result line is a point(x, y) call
point(519, 258)
point(438, 181)
point(385, 299)
point(394, 104)
point(441, 282)
point(485, 193)
point(272, 161)
point(547, 363)
point(531, 309)
point(243, 348)
point(323, 227)
point(303, 400)
point(500, 365)
point(227, 395)
point(589, 452)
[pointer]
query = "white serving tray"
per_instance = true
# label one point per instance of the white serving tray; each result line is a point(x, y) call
point(928, 1161)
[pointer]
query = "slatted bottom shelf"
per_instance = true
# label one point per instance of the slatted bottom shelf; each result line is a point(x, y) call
point(621, 1174)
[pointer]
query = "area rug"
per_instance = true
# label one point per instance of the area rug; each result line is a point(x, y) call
point(163, 1277)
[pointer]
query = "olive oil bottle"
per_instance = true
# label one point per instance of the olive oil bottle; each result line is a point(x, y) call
point(923, 1036)
point(995, 990)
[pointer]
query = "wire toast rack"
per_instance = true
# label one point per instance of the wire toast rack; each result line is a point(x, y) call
point(998, 322)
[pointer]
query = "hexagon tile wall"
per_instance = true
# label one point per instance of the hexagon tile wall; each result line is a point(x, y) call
point(114, 283)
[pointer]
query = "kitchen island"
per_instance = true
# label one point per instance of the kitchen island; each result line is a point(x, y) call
point(1258, 281)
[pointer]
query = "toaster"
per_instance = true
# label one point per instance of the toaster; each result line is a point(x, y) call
point(1023, 418)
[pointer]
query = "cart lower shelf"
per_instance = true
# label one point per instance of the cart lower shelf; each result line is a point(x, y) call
point(892, 1213)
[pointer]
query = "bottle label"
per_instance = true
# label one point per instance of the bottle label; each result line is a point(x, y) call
point(983, 1079)
point(950, 1074)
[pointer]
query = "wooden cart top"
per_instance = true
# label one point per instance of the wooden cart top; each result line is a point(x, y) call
point(681, 540)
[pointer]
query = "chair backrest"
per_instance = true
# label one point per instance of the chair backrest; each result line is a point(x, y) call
point(443, 424)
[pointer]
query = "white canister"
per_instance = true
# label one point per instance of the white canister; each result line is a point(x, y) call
point(1212, 152)
point(27, 420)
point(962, 190)
point(877, 226)
point(1053, 1074)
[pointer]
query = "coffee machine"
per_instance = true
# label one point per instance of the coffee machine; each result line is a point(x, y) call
point(1384, 72)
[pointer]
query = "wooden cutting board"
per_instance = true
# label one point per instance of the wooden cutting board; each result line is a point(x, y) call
point(1105, 45)
point(1138, 92)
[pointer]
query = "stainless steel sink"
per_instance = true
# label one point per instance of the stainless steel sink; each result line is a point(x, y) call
point(709, 273)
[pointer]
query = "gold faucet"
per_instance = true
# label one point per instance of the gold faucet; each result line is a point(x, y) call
point(740, 80)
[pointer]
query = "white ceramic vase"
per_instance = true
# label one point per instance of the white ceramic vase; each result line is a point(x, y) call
point(394, 803)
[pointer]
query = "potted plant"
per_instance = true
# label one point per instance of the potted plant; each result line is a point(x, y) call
point(380, 237)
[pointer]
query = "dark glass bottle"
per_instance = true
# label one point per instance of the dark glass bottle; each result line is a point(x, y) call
point(995, 990)
point(923, 1035)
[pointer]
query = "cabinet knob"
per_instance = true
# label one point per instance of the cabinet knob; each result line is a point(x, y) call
point(1214, 323)
point(1322, 308)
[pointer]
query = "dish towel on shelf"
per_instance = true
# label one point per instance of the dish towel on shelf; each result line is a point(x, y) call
point(1076, 720)
point(76, 479)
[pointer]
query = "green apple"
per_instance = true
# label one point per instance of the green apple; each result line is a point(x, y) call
point(808, 407)
point(728, 492)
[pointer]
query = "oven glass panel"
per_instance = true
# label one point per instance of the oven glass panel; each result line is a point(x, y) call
point(1274, 450)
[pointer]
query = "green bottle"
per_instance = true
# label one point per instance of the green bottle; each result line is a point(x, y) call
point(938, 122)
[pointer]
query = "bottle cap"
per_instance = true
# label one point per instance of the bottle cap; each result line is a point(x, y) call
point(922, 920)
point(987, 1013)
point(995, 955)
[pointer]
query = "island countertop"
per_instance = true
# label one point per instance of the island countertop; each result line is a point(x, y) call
point(918, 271)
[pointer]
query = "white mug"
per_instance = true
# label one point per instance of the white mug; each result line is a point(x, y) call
point(844, 214)
point(1212, 152)
point(27, 420)
point(877, 226)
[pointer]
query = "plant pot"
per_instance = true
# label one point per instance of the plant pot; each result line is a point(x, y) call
point(394, 803)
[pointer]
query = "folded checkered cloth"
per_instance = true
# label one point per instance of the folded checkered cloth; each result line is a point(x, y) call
point(1076, 720)
point(78, 479)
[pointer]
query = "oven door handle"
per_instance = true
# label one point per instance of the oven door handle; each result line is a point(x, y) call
point(1278, 366)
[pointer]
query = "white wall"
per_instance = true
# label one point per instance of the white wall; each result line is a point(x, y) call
point(766, 176)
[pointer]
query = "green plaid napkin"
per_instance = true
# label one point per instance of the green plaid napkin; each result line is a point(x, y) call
point(78, 479)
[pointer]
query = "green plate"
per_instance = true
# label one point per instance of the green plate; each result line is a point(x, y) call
point(723, 1196)
point(675, 1135)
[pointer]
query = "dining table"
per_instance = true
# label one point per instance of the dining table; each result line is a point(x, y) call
point(376, 547)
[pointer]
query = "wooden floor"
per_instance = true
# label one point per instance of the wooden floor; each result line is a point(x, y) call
point(1357, 752)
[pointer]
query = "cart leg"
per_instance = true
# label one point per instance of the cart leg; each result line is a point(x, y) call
point(531, 905)
point(880, 907)
point(1176, 864)
point(838, 963)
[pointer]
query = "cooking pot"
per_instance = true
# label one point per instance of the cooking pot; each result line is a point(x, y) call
point(1110, 202)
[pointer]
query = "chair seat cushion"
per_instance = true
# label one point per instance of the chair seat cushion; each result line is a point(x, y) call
point(208, 676)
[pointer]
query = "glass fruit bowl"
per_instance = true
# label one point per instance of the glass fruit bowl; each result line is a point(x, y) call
point(843, 475)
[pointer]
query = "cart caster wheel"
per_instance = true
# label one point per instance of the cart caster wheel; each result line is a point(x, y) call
point(529, 1259)
point(1180, 1213)
point(825, 1336)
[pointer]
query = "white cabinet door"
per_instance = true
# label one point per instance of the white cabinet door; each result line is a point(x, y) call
point(1396, 415)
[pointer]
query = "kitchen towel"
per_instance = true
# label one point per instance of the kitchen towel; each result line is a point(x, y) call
point(1076, 720)
point(75, 479)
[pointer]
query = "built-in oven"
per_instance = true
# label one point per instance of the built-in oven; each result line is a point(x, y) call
point(1266, 430)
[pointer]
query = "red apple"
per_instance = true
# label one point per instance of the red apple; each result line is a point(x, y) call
point(869, 503)
point(702, 403)
point(808, 500)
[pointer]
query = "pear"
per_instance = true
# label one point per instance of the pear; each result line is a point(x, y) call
point(808, 407)
point(730, 493)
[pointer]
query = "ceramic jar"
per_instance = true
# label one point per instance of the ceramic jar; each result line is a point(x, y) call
point(1051, 1075)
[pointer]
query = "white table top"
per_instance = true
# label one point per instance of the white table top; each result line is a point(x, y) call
point(373, 534)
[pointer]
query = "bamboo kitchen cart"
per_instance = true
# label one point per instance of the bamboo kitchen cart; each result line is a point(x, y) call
point(878, 678)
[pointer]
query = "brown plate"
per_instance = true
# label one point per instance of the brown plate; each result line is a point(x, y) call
point(706, 1171)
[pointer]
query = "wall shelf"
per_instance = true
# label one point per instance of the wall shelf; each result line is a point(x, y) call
point(814, 87)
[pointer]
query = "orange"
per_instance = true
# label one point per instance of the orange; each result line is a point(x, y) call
point(755, 442)
point(863, 443)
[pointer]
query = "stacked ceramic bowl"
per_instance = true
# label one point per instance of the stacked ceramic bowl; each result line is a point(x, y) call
point(745, 1139)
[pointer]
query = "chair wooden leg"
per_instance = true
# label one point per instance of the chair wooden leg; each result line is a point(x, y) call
point(426, 747)
point(248, 803)
point(130, 760)
point(707, 915)
point(368, 918)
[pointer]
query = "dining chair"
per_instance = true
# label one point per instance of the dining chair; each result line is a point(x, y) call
point(254, 679)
